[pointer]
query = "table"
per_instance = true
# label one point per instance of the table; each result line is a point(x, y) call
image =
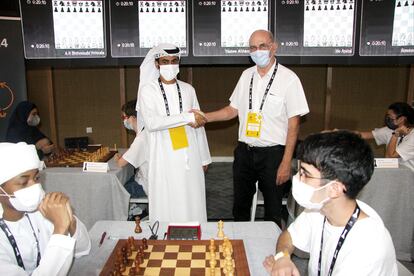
point(259, 241)
point(94, 196)
point(391, 193)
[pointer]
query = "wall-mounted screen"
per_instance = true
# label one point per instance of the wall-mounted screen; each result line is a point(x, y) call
point(139, 25)
point(315, 27)
point(63, 28)
point(223, 28)
point(387, 28)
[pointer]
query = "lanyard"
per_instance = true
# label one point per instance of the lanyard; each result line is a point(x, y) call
point(341, 241)
point(13, 243)
point(266, 91)
point(167, 109)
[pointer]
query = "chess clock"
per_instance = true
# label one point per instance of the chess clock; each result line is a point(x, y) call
point(184, 232)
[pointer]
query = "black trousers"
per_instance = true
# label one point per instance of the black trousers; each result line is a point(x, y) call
point(260, 164)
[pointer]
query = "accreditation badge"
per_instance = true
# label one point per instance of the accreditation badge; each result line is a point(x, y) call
point(178, 137)
point(254, 124)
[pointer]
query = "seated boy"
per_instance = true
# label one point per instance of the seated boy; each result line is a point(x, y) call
point(343, 236)
point(38, 233)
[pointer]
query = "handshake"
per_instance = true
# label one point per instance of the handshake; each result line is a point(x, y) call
point(200, 118)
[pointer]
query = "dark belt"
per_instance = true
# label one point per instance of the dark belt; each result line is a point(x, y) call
point(249, 148)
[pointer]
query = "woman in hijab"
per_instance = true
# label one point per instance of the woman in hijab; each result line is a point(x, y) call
point(23, 128)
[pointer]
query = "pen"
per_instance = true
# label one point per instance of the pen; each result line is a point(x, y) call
point(102, 239)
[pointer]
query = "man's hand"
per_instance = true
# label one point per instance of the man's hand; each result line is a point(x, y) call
point(55, 208)
point(205, 168)
point(283, 173)
point(402, 131)
point(200, 118)
point(282, 267)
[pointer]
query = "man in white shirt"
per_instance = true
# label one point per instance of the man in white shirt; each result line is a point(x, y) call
point(397, 135)
point(137, 153)
point(39, 235)
point(268, 100)
point(178, 153)
point(343, 236)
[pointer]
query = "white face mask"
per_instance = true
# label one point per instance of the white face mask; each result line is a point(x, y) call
point(33, 120)
point(127, 125)
point(260, 57)
point(169, 71)
point(303, 194)
point(27, 199)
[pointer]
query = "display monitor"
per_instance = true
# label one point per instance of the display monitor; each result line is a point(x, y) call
point(387, 28)
point(137, 26)
point(223, 28)
point(63, 28)
point(315, 27)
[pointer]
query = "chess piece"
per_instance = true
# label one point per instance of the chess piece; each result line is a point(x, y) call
point(220, 233)
point(145, 243)
point(138, 228)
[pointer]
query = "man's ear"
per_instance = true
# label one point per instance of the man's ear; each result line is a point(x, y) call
point(157, 65)
point(336, 189)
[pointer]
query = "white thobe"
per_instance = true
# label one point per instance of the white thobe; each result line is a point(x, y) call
point(175, 177)
point(57, 251)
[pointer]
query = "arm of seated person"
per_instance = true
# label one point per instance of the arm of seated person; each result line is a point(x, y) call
point(366, 135)
point(121, 162)
point(283, 265)
point(45, 145)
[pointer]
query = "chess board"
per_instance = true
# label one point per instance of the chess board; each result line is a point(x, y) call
point(76, 158)
point(403, 28)
point(69, 20)
point(328, 23)
point(239, 19)
point(162, 22)
point(179, 258)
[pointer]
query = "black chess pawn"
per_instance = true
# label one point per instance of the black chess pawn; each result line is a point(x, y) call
point(406, 4)
point(99, 9)
point(399, 4)
point(165, 9)
point(332, 7)
point(224, 9)
point(176, 9)
point(68, 10)
point(80, 10)
point(235, 9)
point(229, 9)
point(74, 9)
point(241, 9)
point(171, 10)
point(338, 7)
point(87, 10)
point(147, 10)
point(264, 9)
point(319, 8)
point(182, 9)
point(55, 10)
point(344, 8)
point(326, 8)
point(258, 9)
point(313, 8)
point(153, 10)
point(247, 9)
point(93, 9)
point(159, 10)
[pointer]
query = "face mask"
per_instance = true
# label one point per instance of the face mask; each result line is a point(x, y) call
point(390, 123)
point(127, 125)
point(33, 120)
point(303, 194)
point(261, 57)
point(170, 71)
point(27, 199)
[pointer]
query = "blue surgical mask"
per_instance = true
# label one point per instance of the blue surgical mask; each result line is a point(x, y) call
point(127, 125)
point(261, 57)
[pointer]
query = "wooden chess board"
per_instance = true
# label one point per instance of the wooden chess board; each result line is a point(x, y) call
point(179, 258)
point(76, 158)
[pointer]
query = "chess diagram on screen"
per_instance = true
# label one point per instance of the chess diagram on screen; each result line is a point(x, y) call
point(162, 22)
point(240, 18)
point(78, 24)
point(328, 23)
point(403, 27)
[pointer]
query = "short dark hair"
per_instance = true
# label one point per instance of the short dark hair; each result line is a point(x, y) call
point(130, 108)
point(403, 109)
point(340, 155)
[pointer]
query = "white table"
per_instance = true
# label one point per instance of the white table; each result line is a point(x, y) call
point(94, 196)
point(259, 241)
point(391, 193)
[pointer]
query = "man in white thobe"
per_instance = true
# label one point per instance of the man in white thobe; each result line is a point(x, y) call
point(178, 151)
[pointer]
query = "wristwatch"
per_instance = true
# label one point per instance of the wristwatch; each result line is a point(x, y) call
point(281, 254)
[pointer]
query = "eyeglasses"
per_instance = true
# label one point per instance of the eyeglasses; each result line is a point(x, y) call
point(303, 173)
point(263, 46)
